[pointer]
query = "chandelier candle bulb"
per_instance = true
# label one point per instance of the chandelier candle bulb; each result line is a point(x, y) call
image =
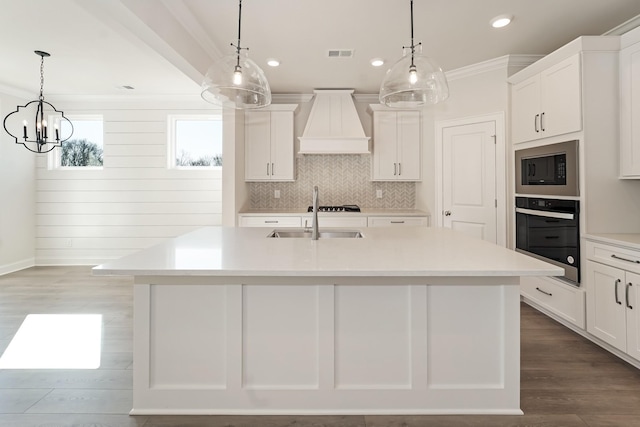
point(44, 129)
point(24, 129)
point(55, 126)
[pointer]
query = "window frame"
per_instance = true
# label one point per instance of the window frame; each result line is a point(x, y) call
point(172, 143)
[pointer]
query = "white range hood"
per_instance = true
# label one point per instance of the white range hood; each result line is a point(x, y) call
point(333, 126)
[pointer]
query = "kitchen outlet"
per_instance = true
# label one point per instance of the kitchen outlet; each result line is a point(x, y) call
point(378, 194)
point(276, 194)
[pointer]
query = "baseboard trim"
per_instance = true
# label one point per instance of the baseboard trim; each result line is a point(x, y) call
point(62, 262)
point(17, 266)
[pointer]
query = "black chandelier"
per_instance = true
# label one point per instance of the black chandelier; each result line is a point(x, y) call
point(43, 139)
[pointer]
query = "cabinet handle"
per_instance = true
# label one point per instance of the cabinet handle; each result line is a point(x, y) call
point(399, 168)
point(395, 168)
point(272, 169)
point(626, 295)
point(635, 261)
point(616, 291)
point(397, 222)
point(267, 168)
point(535, 122)
point(544, 292)
point(271, 222)
point(542, 122)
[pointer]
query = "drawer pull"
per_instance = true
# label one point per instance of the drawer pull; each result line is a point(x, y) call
point(635, 261)
point(544, 292)
point(271, 222)
point(397, 222)
point(615, 292)
point(626, 295)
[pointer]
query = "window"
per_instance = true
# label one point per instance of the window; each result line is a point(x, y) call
point(86, 145)
point(195, 141)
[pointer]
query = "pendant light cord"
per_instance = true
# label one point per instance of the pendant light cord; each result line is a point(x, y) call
point(238, 48)
point(413, 46)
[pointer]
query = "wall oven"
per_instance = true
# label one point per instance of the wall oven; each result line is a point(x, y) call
point(548, 170)
point(548, 229)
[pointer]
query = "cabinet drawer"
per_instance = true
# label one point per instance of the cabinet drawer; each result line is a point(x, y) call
point(336, 222)
point(397, 221)
point(559, 298)
point(614, 256)
point(270, 221)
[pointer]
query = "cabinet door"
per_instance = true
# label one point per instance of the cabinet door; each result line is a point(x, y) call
point(282, 158)
point(561, 98)
point(525, 109)
point(633, 314)
point(408, 149)
point(385, 134)
point(629, 109)
point(605, 304)
point(257, 135)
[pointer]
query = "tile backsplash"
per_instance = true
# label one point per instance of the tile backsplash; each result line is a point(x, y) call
point(341, 179)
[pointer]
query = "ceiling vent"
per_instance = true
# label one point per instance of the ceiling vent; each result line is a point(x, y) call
point(340, 53)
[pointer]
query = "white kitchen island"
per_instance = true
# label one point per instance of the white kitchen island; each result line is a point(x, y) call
point(403, 321)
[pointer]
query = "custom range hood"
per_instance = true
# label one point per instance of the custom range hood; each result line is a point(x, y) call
point(333, 126)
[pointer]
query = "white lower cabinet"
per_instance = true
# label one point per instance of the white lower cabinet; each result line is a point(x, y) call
point(612, 307)
point(397, 221)
point(563, 300)
point(269, 221)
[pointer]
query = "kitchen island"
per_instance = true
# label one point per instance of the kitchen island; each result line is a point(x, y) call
point(401, 321)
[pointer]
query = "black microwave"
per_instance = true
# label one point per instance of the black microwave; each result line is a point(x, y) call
point(548, 170)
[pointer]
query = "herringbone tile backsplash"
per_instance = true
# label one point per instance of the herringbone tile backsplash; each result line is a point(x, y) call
point(342, 180)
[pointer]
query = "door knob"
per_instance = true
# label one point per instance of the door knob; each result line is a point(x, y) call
point(447, 213)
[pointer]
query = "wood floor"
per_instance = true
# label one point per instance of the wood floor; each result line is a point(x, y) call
point(566, 380)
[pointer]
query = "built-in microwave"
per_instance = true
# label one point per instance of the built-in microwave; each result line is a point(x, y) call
point(548, 170)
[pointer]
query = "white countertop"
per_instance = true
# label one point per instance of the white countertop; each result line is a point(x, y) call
point(631, 240)
point(364, 212)
point(388, 252)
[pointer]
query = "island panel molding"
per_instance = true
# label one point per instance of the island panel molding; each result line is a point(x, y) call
point(408, 320)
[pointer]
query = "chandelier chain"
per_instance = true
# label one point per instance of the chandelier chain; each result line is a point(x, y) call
point(41, 77)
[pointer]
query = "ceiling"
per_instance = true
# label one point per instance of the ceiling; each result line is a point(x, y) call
point(163, 47)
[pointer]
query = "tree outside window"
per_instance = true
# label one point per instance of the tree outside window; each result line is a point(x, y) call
point(196, 141)
point(86, 146)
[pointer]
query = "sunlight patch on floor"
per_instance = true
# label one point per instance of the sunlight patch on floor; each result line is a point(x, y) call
point(55, 341)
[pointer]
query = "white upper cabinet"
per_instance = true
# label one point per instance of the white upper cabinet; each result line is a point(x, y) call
point(548, 103)
point(396, 145)
point(630, 109)
point(269, 144)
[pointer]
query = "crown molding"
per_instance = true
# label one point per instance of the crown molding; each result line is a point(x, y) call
point(500, 63)
point(625, 27)
point(18, 93)
point(285, 98)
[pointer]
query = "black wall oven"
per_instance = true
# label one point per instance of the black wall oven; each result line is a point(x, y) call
point(548, 229)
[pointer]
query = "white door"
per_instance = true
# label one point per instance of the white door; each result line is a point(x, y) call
point(469, 179)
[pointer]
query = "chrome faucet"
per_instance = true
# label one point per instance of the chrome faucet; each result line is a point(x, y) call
point(314, 232)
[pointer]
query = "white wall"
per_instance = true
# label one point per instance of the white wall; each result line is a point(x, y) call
point(17, 197)
point(135, 201)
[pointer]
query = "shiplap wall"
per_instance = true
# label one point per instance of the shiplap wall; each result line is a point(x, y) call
point(135, 201)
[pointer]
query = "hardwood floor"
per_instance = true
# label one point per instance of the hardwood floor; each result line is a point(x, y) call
point(565, 379)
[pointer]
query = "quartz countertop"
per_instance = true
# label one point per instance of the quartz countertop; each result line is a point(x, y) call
point(382, 252)
point(630, 240)
point(363, 212)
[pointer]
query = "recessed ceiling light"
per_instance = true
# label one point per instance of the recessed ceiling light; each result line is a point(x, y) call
point(272, 62)
point(377, 62)
point(501, 21)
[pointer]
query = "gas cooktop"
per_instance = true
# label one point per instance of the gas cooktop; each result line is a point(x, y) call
point(343, 208)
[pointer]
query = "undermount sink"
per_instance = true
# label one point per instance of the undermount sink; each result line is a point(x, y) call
point(306, 234)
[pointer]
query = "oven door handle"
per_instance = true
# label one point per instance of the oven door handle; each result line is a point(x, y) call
point(546, 214)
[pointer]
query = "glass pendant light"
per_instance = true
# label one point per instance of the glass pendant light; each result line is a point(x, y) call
point(235, 81)
point(414, 80)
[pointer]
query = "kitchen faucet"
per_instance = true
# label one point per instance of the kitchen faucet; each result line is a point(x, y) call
point(314, 232)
